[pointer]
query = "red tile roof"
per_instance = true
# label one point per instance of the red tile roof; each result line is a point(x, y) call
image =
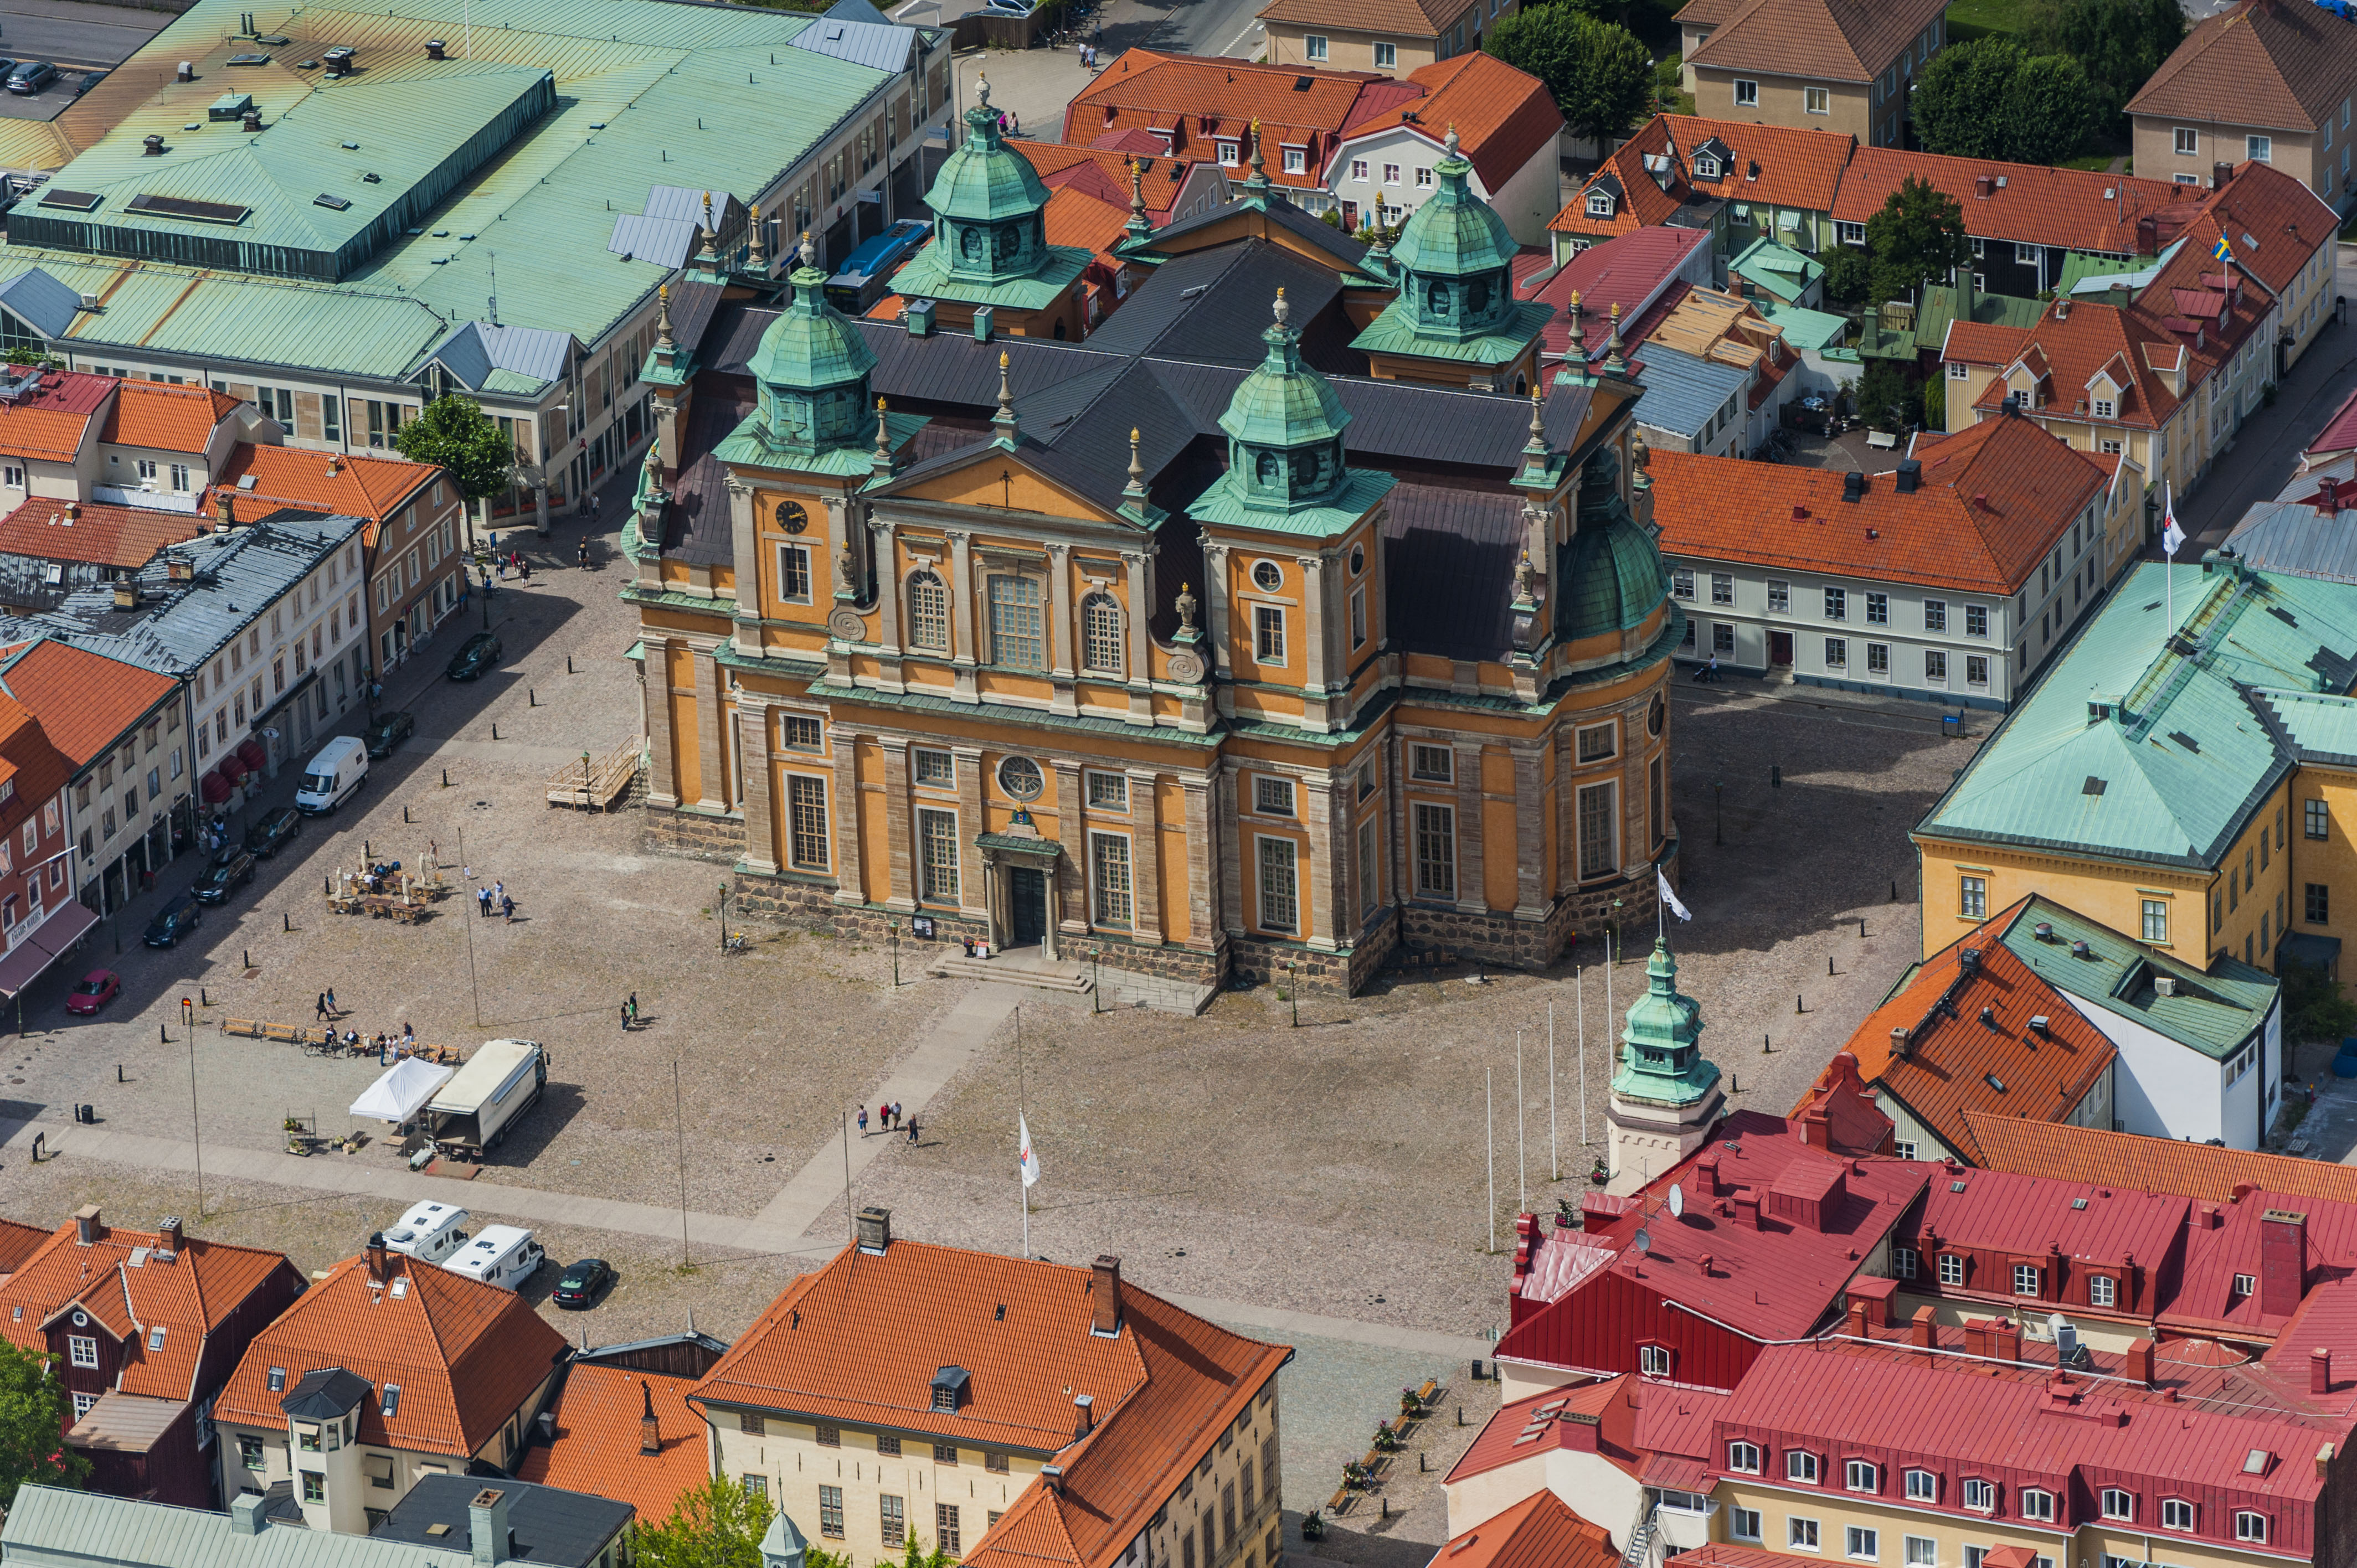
point(1633, 271)
point(1202, 101)
point(1952, 1051)
point(168, 418)
point(597, 1444)
point(94, 531)
point(466, 1355)
point(2260, 62)
point(1540, 1531)
point(2153, 1165)
point(1835, 40)
point(53, 420)
point(2271, 221)
point(860, 1340)
point(1773, 166)
point(28, 760)
point(2077, 209)
point(84, 700)
point(1084, 221)
point(1994, 499)
point(1840, 1113)
point(1503, 117)
point(188, 1298)
point(18, 1241)
point(1059, 165)
point(370, 487)
point(1405, 18)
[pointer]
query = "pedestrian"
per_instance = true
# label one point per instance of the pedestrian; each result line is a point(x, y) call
point(862, 1121)
point(332, 1002)
point(322, 1011)
point(498, 890)
point(483, 902)
point(913, 1130)
point(625, 1017)
point(634, 1006)
point(507, 908)
point(582, 554)
point(408, 1034)
point(896, 1113)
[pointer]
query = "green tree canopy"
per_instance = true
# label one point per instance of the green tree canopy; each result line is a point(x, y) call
point(2049, 110)
point(1889, 397)
point(1916, 238)
point(32, 1427)
point(1601, 77)
point(2118, 43)
point(718, 1524)
point(456, 433)
point(1959, 101)
point(1849, 274)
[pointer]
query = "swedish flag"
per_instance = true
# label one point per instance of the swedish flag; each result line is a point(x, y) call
point(2220, 249)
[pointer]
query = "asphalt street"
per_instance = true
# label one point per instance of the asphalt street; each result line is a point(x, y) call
point(69, 33)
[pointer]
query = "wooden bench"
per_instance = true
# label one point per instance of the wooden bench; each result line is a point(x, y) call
point(1429, 1392)
point(245, 1027)
point(1374, 1463)
point(1340, 1503)
point(287, 1034)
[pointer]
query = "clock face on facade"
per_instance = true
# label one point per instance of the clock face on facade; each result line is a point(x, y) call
point(1021, 778)
point(792, 518)
point(1268, 576)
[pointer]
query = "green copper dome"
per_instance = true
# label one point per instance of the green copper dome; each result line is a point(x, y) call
point(1612, 568)
point(1661, 1061)
point(988, 203)
point(1284, 429)
point(1455, 257)
point(811, 368)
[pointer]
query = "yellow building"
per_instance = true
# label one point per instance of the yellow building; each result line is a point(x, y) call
point(1132, 655)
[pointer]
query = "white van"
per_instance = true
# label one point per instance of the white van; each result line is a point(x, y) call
point(429, 1232)
point(334, 774)
point(502, 1255)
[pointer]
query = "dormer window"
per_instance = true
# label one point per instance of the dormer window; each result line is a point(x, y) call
point(2104, 407)
point(277, 1380)
point(951, 1386)
point(1600, 204)
point(1706, 168)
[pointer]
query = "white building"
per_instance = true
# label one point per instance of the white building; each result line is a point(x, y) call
point(1508, 128)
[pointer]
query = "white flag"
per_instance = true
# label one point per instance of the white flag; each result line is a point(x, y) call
point(2173, 538)
point(1024, 1156)
point(1669, 899)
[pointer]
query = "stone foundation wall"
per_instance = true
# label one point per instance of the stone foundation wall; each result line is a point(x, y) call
point(1577, 924)
point(1330, 973)
point(694, 834)
point(1191, 965)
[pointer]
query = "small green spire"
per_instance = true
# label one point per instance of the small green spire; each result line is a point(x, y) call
point(811, 368)
point(1661, 1061)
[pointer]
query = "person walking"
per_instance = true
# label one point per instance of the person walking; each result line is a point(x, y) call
point(896, 1113)
point(581, 553)
point(862, 1121)
point(498, 891)
point(332, 1002)
point(912, 1132)
point(322, 1009)
point(483, 902)
point(625, 1017)
point(507, 908)
point(634, 1006)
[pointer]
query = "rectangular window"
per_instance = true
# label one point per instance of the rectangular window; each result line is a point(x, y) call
point(830, 1512)
point(1109, 879)
point(1272, 797)
point(81, 1349)
point(1877, 661)
point(1743, 1523)
point(315, 1486)
point(1279, 903)
point(1682, 583)
point(1877, 609)
point(2317, 820)
point(1977, 670)
point(1816, 100)
point(1436, 851)
point(1101, 634)
point(2319, 903)
point(2037, 1505)
point(1801, 1534)
point(2188, 141)
point(1017, 635)
point(1599, 837)
point(2101, 1290)
point(1849, 233)
point(1923, 1552)
point(1837, 604)
point(1836, 653)
point(937, 844)
point(936, 769)
point(1746, 94)
point(1269, 634)
point(1722, 587)
point(895, 1522)
point(1935, 614)
point(945, 1528)
point(1861, 1476)
point(1599, 742)
point(1866, 1545)
point(1358, 618)
point(1108, 791)
point(793, 573)
point(1903, 1259)
point(2259, 149)
point(1980, 1497)
point(1923, 1487)
point(249, 1452)
point(1437, 763)
point(2176, 1513)
point(755, 1484)
point(1358, 169)
point(1743, 1457)
point(1976, 620)
point(1297, 161)
point(1780, 597)
point(1313, 45)
point(800, 732)
point(1974, 897)
point(1386, 55)
point(1935, 666)
point(806, 820)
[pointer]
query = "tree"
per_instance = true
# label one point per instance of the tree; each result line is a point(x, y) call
point(1959, 101)
point(2118, 43)
point(1917, 237)
point(718, 1524)
point(1936, 403)
point(1848, 275)
point(32, 356)
point(2049, 111)
point(1889, 397)
point(2314, 1008)
point(1601, 77)
point(455, 432)
point(33, 1421)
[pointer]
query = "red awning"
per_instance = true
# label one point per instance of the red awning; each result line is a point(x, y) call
point(233, 772)
point(35, 952)
point(215, 788)
point(249, 750)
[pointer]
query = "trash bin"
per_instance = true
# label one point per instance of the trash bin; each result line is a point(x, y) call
point(1951, 724)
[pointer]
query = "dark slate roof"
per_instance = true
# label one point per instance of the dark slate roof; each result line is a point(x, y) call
point(693, 306)
point(1286, 215)
point(325, 1394)
point(1449, 569)
point(550, 1525)
point(1213, 306)
point(696, 527)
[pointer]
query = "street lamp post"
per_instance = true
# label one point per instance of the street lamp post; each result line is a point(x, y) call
point(892, 938)
point(1292, 992)
point(1095, 990)
point(722, 906)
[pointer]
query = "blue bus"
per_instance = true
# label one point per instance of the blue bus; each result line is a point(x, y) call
point(866, 274)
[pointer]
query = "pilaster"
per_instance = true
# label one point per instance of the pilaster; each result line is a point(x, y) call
point(761, 812)
point(973, 877)
point(1215, 606)
point(900, 818)
point(1530, 837)
point(1071, 875)
point(887, 556)
point(850, 876)
point(1228, 832)
point(1324, 901)
point(1137, 569)
point(1146, 858)
point(1472, 897)
point(743, 550)
point(711, 732)
point(1203, 894)
point(662, 785)
point(961, 633)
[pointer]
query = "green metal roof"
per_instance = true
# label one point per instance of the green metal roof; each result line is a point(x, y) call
point(1349, 505)
point(2140, 742)
point(1394, 331)
point(983, 181)
point(1281, 403)
point(1661, 1060)
point(810, 345)
point(1805, 330)
point(2214, 1011)
point(1938, 312)
point(1453, 232)
point(1612, 565)
point(927, 276)
point(1779, 269)
point(52, 1527)
point(646, 93)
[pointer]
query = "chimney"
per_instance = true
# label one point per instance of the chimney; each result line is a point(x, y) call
point(87, 1229)
point(649, 1435)
point(1983, 187)
point(1976, 1335)
point(2062, 307)
point(1858, 1320)
point(487, 1526)
point(434, 47)
point(2005, 1340)
point(2244, 1189)
point(245, 1515)
point(376, 1256)
point(1921, 1329)
point(1054, 1476)
point(180, 568)
point(2137, 1366)
point(1747, 1209)
point(2220, 174)
point(1910, 474)
point(1578, 1430)
point(2319, 1370)
point(169, 1236)
point(1104, 1290)
point(1969, 960)
point(2283, 1262)
point(2147, 236)
point(1083, 1415)
point(187, 71)
point(224, 511)
point(2207, 1218)
point(874, 1231)
point(151, 147)
point(1853, 486)
point(250, 121)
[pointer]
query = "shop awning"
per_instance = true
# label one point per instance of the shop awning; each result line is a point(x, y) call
point(2310, 950)
point(250, 751)
point(232, 770)
point(215, 788)
point(405, 1086)
point(33, 954)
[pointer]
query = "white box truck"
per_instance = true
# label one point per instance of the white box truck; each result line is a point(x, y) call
point(502, 1255)
point(332, 775)
point(429, 1232)
point(473, 1111)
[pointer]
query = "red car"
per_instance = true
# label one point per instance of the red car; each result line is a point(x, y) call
point(96, 989)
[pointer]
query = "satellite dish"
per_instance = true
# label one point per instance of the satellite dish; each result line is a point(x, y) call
point(1644, 1242)
point(1677, 1202)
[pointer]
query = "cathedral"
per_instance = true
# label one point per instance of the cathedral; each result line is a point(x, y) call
point(1285, 621)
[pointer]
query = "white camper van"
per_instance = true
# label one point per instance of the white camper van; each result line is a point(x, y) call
point(502, 1255)
point(429, 1232)
point(332, 775)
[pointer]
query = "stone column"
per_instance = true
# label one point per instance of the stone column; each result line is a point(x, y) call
point(967, 648)
point(1472, 896)
point(1315, 660)
point(1530, 837)
point(662, 787)
point(1323, 902)
point(1229, 837)
point(850, 879)
point(888, 585)
point(711, 731)
point(1202, 860)
point(1069, 888)
point(743, 537)
point(760, 818)
point(1060, 613)
point(898, 817)
point(1566, 812)
point(1138, 584)
point(1215, 606)
point(1145, 859)
point(974, 894)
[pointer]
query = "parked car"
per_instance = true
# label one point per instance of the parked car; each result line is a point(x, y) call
point(578, 1285)
point(268, 836)
point(386, 731)
point(479, 652)
point(89, 78)
point(94, 991)
point(173, 921)
point(233, 868)
point(31, 76)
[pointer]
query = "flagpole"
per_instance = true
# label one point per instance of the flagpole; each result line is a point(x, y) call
point(1554, 1142)
point(1521, 1120)
point(1022, 1112)
point(1580, 993)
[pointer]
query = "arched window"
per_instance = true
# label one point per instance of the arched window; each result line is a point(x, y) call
point(929, 613)
point(970, 243)
point(1435, 298)
point(1101, 634)
point(1265, 467)
point(1477, 296)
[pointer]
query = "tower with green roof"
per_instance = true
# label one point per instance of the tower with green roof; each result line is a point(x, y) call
point(1613, 576)
point(1455, 318)
point(990, 239)
point(1666, 1094)
point(1286, 467)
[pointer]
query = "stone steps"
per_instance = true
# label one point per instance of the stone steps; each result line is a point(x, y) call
point(1073, 983)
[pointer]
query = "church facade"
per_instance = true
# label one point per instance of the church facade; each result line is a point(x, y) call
point(1198, 648)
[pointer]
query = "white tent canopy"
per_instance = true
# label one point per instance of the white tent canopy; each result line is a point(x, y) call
point(405, 1086)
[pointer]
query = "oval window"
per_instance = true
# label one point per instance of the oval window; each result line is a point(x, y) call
point(1268, 576)
point(1655, 716)
point(1358, 560)
point(791, 517)
point(1021, 778)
